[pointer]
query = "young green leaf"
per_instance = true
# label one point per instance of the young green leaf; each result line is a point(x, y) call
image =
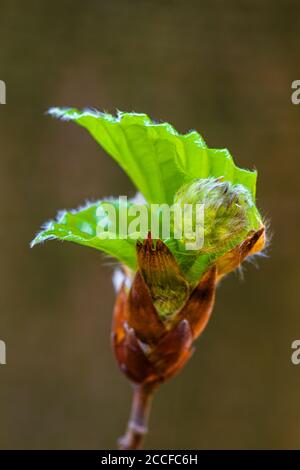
point(154, 155)
point(160, 162)
point(80, 226)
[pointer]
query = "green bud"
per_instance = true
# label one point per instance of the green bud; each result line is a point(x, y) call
point(228, 212)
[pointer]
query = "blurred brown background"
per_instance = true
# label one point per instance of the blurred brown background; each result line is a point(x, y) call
point(224, 68)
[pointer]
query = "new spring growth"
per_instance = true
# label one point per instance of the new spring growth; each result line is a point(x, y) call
point(168, 277)
point(208, 214)
point(227, 211)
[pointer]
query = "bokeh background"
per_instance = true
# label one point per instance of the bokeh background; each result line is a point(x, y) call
point(224, 68)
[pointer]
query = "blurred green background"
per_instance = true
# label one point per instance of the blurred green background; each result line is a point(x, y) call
point(224, 68)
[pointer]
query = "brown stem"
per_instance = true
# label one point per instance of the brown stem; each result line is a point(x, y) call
point(137, 426)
